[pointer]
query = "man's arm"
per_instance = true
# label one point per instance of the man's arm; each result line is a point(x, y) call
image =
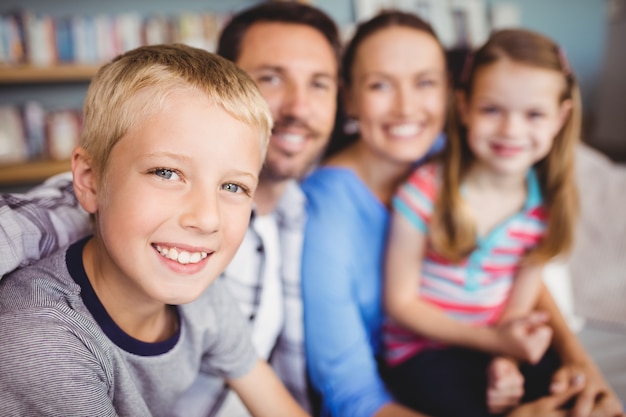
point(36, 223)
point(264, 395)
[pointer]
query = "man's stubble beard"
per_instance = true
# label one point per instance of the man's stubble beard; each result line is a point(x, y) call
point(272, 172)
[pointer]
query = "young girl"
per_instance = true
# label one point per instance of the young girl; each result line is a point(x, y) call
point(479, 225)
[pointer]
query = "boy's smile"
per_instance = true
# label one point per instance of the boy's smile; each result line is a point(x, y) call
point(174, 204)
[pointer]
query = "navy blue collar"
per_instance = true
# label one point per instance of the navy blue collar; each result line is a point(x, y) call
point(76, 268)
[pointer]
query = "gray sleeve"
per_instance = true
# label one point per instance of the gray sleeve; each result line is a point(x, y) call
point(231, 354)
point(36, 223)
point(50, 366)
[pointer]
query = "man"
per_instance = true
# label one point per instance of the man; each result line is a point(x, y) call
point(291, 51)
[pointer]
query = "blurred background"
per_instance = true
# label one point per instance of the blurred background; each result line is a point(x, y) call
point(49, 50)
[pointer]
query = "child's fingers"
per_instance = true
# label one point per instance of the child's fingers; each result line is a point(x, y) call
point(505, 385)
point(537, 318)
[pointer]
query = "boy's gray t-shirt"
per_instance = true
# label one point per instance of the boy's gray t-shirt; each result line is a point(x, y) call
point(55, 360)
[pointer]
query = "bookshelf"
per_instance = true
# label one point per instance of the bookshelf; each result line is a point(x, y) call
point(45, 71)
point(30, 172)
point(29, 74)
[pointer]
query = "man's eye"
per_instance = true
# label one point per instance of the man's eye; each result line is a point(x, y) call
point(167, 174)
point(322, 85)
point(268, 79)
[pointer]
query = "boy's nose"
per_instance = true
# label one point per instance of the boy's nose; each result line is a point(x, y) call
point(201, 211)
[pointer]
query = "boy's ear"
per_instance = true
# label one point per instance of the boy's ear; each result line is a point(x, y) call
point(460, 100)
point(84, 180)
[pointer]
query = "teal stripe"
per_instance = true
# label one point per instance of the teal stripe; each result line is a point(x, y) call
point(402, 208)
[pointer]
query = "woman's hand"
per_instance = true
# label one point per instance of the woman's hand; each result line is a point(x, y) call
point(596, 399)
point(549, 406)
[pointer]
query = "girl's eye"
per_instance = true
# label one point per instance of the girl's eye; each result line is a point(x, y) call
point(535, 115)
point(489, 110)
point(167, 174)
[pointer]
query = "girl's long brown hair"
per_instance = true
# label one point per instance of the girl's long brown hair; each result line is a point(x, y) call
point(454, 229)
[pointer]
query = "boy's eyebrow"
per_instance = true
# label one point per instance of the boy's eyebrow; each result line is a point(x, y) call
point(184, 159)
point(166, 155)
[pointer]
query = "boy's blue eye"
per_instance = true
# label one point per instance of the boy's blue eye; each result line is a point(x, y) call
point(165, 173)
point(233, 188)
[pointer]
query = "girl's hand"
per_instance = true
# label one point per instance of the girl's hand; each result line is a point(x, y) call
point(525, 338)
point(505, 385)
point(596, 398)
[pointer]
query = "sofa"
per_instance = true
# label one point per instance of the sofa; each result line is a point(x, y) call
point(590, 284)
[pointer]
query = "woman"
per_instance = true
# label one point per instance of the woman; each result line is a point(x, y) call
point(396, 83)
point(396, 86)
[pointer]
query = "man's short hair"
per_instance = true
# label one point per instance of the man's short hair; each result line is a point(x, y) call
point(229, 45)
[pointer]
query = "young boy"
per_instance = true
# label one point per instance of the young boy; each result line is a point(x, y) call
point(120, 323)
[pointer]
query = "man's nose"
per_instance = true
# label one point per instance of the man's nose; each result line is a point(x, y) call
point(296, 101)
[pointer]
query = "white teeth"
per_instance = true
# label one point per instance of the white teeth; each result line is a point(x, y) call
point(181, 256)
point(291, 137)
point(405, 130)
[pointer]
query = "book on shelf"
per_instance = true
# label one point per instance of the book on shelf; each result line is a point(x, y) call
point(13, 147)
point(63, 133)
point(44, 40)
point(30, 133)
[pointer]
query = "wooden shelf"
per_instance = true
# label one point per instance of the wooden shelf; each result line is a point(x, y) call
point(61, 73)
point(31, 172)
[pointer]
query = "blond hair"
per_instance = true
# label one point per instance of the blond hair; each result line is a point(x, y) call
point(454, 230)
point(138, 83)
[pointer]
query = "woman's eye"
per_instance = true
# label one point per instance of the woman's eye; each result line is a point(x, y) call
point(426, 83)
point(378, 86)
point(167, 174)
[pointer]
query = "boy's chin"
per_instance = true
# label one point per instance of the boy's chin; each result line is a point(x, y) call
point(186, 295)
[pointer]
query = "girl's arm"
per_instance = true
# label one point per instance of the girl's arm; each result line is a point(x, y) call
point(524, 293)
point(406, 246)
point(264, 395)
point(522, 299)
